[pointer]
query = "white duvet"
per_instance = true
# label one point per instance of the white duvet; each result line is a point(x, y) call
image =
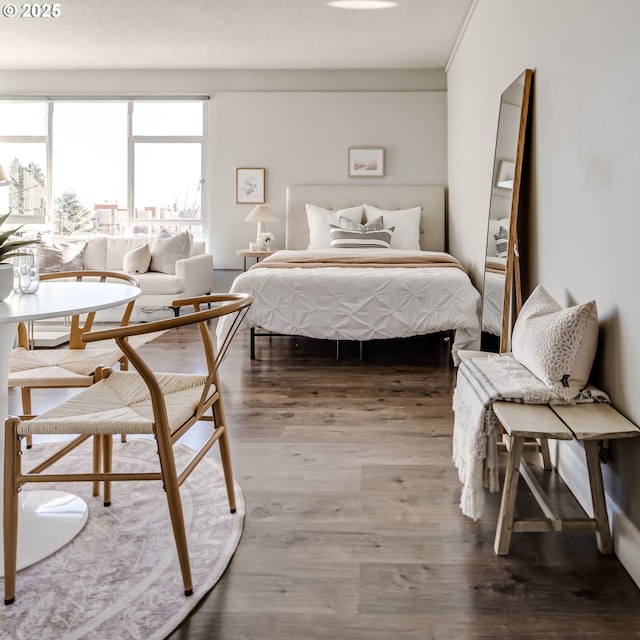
point(360, 303)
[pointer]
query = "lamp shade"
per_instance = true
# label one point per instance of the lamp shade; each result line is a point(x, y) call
point(4, 178)
point(261, 213)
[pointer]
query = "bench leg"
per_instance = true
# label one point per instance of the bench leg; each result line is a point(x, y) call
point(603, 533)
point(508, 502)
point(544, 453)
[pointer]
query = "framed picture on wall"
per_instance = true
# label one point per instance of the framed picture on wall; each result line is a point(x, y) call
point(250, 186)
point(366, 162)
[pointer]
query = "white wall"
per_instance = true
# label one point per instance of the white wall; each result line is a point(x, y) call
point(303, 138)
point(297, 125)
point(584, 203)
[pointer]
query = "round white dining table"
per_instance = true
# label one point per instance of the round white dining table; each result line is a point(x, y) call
point(47, 519)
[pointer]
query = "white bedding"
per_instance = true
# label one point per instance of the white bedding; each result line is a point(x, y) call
point(360, 303)
point(492, 303)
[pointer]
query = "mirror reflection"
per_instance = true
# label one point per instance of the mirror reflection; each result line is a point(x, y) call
point(500, 258)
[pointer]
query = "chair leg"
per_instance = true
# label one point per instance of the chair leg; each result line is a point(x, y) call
point(172, 489)
point(124, 366)
point(10, 510)
point(225, 450)
point(97, 458)
point(25, 392)
point(107, 459)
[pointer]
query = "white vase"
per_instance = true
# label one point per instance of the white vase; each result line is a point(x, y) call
point(6, 279)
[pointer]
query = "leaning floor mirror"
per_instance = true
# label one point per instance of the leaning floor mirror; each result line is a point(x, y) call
point(502, 291)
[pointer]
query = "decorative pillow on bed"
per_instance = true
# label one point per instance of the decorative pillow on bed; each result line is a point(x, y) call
point(502, 242)
point(374, 225)
point(366, 236)
point(319, 220)
point(557, 345)
point(406, 223)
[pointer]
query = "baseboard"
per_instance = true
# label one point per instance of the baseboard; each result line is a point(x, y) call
point(572, 468)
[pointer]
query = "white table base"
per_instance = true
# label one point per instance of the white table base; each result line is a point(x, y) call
point(47, 521)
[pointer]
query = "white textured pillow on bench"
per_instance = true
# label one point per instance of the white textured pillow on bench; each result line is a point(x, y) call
point(557, 345)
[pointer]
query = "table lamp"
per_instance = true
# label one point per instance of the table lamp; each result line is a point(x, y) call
point(261, 213)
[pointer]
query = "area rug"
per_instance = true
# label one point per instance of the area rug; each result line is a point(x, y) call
point(120, 578)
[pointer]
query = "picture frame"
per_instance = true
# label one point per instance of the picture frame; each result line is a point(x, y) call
point(506, 171)
point(366, 162)
point(250, 186)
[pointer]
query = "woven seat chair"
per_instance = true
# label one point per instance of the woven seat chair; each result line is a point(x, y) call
point(165, 405)
point(70, 367)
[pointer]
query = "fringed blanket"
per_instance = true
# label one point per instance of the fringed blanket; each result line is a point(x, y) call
point(413, 260)
point(480, 382)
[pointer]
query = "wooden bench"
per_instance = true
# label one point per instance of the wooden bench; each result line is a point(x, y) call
point(589, 423)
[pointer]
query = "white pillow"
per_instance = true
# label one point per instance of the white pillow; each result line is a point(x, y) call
point(137, 260)
point(55, 255)
point(320, 219)
point(557, 345)
point(406, 222)
point(165, 252)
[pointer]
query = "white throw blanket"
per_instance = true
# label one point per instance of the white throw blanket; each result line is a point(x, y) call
point(480, 382)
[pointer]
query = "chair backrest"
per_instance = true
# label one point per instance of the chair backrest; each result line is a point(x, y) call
point(227, 303)
point(78, 328)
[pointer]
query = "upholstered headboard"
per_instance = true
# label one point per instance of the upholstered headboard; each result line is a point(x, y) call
point(430, 198)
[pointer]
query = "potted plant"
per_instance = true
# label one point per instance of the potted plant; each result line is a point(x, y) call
point(9, 248)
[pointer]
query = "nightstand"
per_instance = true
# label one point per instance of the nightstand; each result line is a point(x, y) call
point(247, 253)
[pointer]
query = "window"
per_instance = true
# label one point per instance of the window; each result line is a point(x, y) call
point(90, 167)
point(166, 148)
point(23, 154)
point(116, 167)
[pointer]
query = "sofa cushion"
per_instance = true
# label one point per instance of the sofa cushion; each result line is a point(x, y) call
point(156, 283)
point(117, 248)
point(95, 253)
point(165, 252)
point(137, 260)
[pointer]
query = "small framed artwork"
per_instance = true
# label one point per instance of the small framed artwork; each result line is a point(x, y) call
point(506, 171)
point(366, 162)
point(250, 186)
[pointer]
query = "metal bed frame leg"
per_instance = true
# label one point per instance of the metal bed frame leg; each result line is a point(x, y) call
point(253, 343)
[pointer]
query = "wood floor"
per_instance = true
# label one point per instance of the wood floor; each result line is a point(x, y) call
point(353, 529)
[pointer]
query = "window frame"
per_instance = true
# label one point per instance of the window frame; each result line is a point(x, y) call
point(49, 140)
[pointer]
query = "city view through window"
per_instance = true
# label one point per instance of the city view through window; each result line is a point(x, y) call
point(114, 167)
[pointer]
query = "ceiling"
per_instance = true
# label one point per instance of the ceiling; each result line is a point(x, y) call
point(231, 34)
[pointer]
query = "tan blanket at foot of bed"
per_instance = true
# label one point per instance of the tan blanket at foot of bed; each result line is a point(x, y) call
point(431, 259)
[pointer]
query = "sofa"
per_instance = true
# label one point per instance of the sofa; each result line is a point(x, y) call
point(167, 267)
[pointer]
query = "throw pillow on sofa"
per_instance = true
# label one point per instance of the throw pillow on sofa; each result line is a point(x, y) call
point(55, 255)
point(165, 252)
point(137, 260)
point(557, 345)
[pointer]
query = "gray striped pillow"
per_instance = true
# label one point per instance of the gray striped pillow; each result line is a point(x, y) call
point(347, 239)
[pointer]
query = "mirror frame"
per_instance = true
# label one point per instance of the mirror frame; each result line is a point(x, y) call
point(511, 138)
point(512, 276)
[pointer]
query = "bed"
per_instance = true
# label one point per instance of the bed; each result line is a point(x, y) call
point(353, 293)
point(493, 295)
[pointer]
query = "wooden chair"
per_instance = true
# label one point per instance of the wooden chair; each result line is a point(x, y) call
point(71, 367)
point(165, 405)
